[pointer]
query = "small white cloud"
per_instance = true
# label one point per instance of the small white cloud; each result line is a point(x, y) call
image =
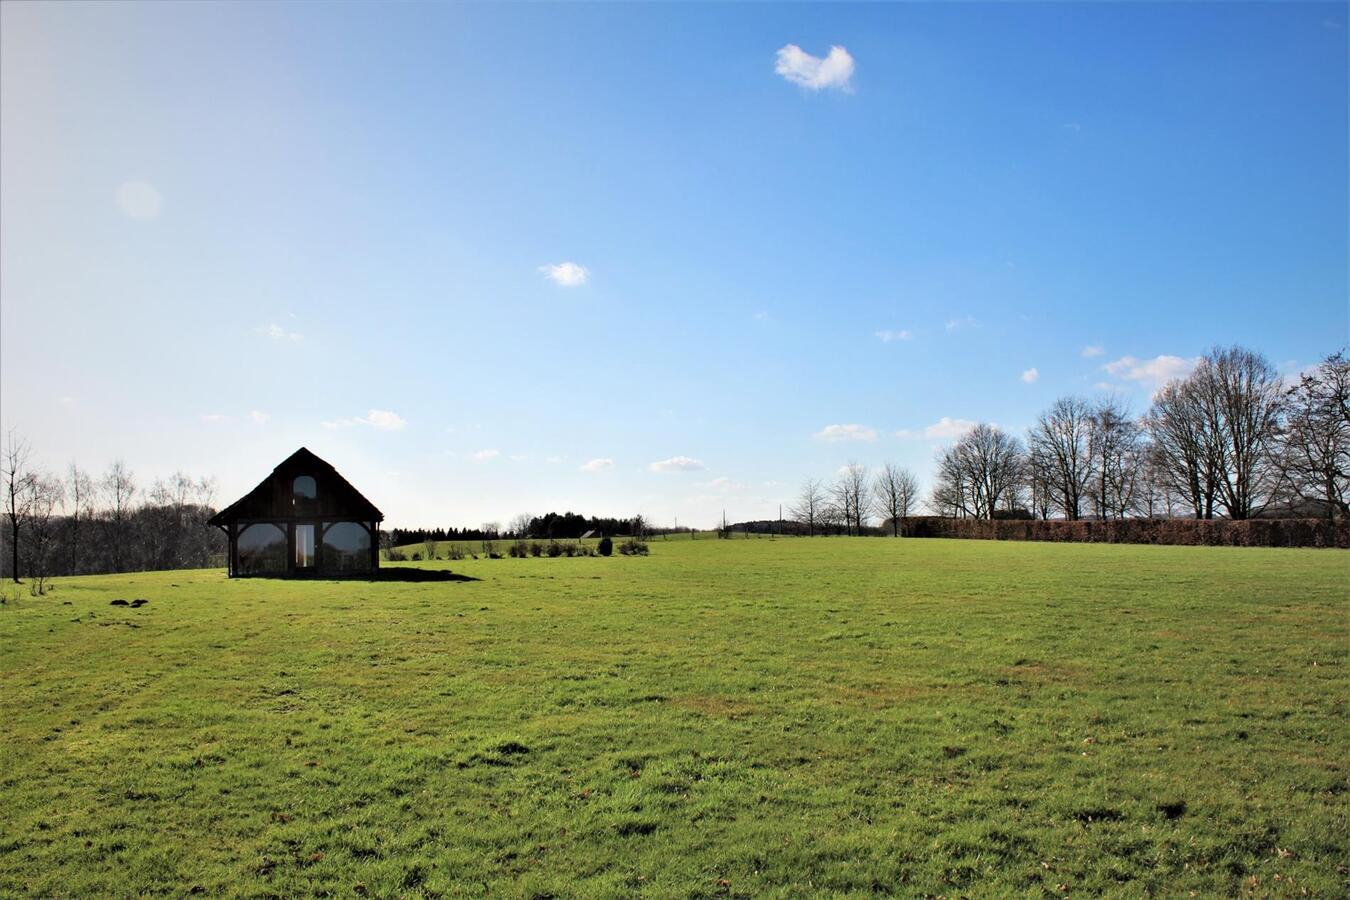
point(677, 464)
point(761, 316)
point(257, 417)
point(381, 419)
point(213, 417)
point(384, 420)
point(1072, 126)
point(906, 433)
point(277, 333)
point(567, 274)
point(1092, 350)
point(1153, 372)
point(887, 336)
point(598, 465)
point(484, 455)
point(962, 323)
point(519, 457)
point(834, 433)
point(1031, 376)
point(66, 401)
point(946, 428)
point(552, 460)
point(835, 70)
point(139, 200)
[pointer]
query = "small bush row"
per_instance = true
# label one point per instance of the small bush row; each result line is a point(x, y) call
point(551, 549)
point(1193, 532)
point(523, 549)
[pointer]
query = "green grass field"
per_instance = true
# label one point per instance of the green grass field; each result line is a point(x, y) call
point(745, 717)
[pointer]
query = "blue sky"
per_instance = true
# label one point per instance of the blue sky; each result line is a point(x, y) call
point(228, 231)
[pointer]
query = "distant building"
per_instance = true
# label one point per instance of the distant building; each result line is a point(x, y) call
point(304, 519)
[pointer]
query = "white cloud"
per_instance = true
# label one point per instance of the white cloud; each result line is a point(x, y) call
point(1031, 376)
point(1092, 350)
point(213, 417)
point(139, 200)
point(761, 316)
point(384, 420)
point(519, 457)
point(258, 417)
point(962, 323)
point(835, 433)
point(813, 72)
point(1153, 372)
point(484, 455)
point(677, 464)
point(887, 336)
point(598, 465)
point(906, 433)
point(380, 419)
point(947, 428)
point(277, 333)
point(567, 274)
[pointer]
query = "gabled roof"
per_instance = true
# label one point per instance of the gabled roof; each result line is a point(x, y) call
point(337, 498)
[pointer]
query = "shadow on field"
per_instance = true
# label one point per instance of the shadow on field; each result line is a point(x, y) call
point(406, 575)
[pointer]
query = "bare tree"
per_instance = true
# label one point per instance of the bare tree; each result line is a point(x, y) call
point(981, 473)
point(1186, 450)
point(1244, 399)
point(853, 495)
point(809, 506)
point(1315, 445)
point(1059, 455)
point(1113, 441)
point(47, 495)
point(520, 526)
point(80, 493)
point(19, 479)
point(897, 493)
point(119, 490)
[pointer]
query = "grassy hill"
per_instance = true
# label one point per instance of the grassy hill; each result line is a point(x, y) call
point(744, 717)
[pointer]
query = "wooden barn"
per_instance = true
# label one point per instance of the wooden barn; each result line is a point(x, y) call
point(304, 519)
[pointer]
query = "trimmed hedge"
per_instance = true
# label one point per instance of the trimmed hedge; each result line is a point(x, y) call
point(1195, 532)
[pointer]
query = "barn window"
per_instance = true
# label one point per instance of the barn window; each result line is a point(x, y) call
point(346, 547)
point(304, 488)
point(262, 549)
point(304, 546)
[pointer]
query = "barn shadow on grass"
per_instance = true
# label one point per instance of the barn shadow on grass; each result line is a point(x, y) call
point(404, 574)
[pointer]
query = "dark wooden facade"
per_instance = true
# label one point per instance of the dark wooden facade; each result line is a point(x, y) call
point(304, 519)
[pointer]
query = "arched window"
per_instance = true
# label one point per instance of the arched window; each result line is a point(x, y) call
point(304, 488)
point(262, 549)
point(346, 547)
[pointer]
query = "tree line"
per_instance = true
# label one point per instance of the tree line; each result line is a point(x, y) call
point(1231, 439)
point(554, 525)
point(81, 523)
